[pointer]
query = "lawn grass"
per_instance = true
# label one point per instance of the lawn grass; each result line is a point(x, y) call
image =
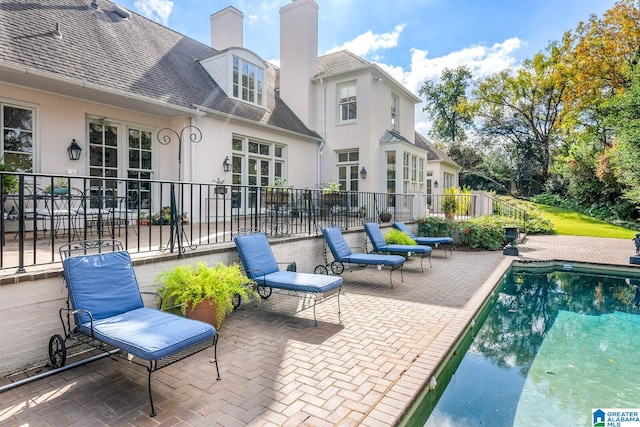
point(571, 223)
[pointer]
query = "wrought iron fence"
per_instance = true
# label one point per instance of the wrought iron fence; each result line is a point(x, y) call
point(43, 211)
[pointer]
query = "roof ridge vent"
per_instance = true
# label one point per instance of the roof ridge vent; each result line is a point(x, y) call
point(119, 10)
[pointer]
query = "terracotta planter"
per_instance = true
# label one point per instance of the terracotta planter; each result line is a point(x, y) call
point(449, 215)
point(205, 311)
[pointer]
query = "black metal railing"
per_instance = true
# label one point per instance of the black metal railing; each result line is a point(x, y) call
point(43, 211)
point(510, 210)
point(453, 206)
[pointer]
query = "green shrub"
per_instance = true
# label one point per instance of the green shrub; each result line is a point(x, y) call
point(485, 233)
point(397, 237)
point(434, 226)
point(535, 222)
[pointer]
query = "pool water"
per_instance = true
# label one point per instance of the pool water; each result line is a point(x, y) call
point(556, 342)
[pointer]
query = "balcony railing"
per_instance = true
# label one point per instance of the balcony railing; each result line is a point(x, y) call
point(41, 212)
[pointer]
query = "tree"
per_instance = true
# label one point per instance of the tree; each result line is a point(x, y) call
point(522, 112)
point(444, 104)
point(623, 115)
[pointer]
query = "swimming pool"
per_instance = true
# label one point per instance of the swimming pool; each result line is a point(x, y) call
point(554, 342)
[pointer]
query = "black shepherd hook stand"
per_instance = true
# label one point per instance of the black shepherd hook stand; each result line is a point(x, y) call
point(165, 136)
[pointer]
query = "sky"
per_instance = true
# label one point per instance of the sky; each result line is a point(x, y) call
point(412, 40)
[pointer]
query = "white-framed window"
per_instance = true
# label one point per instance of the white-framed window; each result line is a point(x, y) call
point(248, 81)
point(115, 150)
point(347, 102)
point(391, 171)
point(140, 167)
point(17, 126)
point(413, 173)
point(257, 162)
point(395, 101)
point(348, 166)
point(448, 180)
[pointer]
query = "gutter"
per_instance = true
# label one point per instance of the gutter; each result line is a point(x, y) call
point(229, 117)
point(76, 83)
point(324, 130)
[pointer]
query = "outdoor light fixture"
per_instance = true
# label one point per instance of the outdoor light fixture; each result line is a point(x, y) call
point(74, 150)
point(435, 183)
point(226, 164)
point(363, 173)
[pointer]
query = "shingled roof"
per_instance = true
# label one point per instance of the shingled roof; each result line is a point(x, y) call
point(433, 152)
point(132, 55)
point(340, 62)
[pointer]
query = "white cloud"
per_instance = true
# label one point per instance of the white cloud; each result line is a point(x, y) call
point(481, 60)
point(157, 10)
point(369, 43)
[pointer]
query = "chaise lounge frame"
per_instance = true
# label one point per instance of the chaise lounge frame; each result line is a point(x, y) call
point(260, 264)
point(380, 246)
point(434, 242)
point(343, 254)
point(105, 310)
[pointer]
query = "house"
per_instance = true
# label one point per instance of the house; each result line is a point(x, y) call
point(442, 173)
point(143, 101)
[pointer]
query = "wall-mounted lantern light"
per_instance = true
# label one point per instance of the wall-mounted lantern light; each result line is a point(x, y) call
point(435, 183)
point(226, 164)
point(74, 150)
point(363, 173)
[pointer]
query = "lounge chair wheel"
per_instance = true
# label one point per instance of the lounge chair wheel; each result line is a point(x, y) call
point(264, 291)
point(321, 269)
point(57, 351)
point(337, 267)
point(236, 301)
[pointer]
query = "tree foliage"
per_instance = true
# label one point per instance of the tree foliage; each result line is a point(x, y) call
point(522, 112)
point(445, 102)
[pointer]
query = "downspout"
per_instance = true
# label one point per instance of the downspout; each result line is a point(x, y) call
point(324, 129)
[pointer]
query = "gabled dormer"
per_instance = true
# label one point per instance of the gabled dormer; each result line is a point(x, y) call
point(240, 73)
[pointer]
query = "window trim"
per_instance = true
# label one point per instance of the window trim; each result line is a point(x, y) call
point(348, 101)
point(259, 77)
point(35, 148)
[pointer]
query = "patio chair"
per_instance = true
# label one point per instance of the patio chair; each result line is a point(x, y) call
point(342, 254)
point(433, 242)
point(260, 265)
point(105, 306)
point(381, 246)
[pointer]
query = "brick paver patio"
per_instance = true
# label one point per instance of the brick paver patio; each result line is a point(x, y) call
point(279, 370)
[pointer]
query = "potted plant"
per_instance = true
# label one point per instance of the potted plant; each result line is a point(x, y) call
point(220, 187)
point(9, 182)
point(61, 186)
point(362, 212)
point(385, 216)
point(278, 194)
point(331, 194)
point(205, 293)
point(143, 217)
point(449, 203)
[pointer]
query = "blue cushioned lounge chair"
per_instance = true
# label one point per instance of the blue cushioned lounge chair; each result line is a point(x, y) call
point(106, 306)
point(342, 253)
point(260, 265)
point(434, 242)
point(380, 245)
